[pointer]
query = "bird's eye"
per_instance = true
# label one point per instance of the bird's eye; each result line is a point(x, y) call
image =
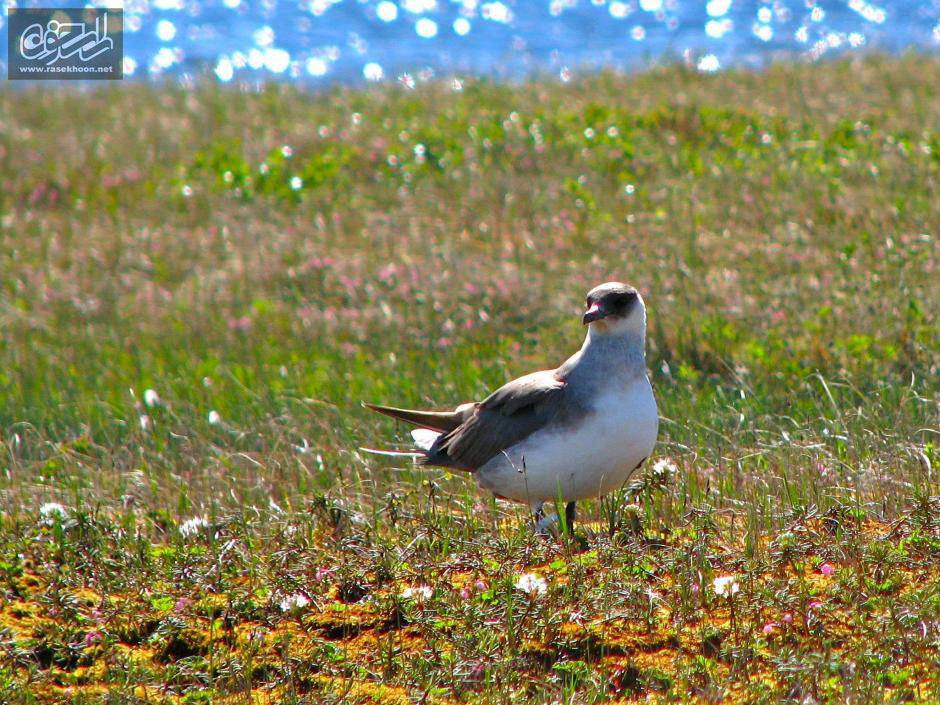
point(624, 300)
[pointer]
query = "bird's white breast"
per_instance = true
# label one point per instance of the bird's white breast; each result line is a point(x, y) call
point(582, 459)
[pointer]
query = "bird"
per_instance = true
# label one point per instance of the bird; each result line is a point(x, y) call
point(574, 432)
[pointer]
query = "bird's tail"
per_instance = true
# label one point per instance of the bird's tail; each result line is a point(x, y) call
point(423, 438)
point(441, 421)
point(413, 454)
point(432, 425)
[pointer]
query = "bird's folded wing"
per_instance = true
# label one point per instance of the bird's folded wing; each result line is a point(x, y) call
point(506, 417)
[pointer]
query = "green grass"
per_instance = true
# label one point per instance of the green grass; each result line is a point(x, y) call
point(275, 257)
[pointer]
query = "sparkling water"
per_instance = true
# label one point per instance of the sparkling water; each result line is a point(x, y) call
point(322, 41)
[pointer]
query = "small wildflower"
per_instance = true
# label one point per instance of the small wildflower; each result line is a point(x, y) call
point(665, 466)
point(151, 398)
point(787, 618)
point(214, 418)
point(532, 584)
point(770, 627)
point(92, 637)
point(465, 593)
point(181, 604)
point(827, 569)
point(815, 605)
point(144, 423)
point(726, 586)
point(292, 602)
point(193, 526)
point(418, 594)
point(53, 510)
point(479, 584)
point(695, 588)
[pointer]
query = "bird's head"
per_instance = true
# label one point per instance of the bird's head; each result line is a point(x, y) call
point(615, 309)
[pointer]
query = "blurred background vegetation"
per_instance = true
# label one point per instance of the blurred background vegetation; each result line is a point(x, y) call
point(276, 257)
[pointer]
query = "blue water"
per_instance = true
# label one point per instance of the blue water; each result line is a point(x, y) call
point(322, 41)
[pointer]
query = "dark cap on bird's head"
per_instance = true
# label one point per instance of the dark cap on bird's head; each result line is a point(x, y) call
point(610, 300)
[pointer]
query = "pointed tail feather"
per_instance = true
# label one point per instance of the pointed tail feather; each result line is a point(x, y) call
point(416, 455)
point(442, 421)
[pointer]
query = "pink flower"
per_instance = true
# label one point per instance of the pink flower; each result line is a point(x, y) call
point(827, 569)
point(695, 588)
point(388, 272)
point(479, 584)
point(465, 593)
point(92, 637)
point(815, 604)
point(787, 618)
point(181, 604)
point(241, 323)
point(769, 627)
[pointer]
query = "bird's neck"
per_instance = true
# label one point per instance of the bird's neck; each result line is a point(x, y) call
point(604, 359)
point(623, 353)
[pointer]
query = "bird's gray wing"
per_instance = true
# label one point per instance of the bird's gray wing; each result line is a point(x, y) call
point(503, 419)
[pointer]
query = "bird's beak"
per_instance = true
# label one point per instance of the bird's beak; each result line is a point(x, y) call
point(594, 313)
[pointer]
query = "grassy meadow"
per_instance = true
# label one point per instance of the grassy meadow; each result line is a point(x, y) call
point(199, 285)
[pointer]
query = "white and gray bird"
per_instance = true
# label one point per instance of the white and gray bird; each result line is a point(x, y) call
point(574, 432)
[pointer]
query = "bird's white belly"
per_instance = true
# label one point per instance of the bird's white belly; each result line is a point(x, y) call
point(582, 460)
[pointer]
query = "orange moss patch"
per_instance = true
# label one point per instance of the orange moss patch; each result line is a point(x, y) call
point(335, 649)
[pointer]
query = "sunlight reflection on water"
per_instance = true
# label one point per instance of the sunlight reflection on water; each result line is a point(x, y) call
point(321, 41)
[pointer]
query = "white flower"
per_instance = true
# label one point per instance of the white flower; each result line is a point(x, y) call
point(151, 398)
point(193, 526)
point(418, 594)
point(292, 602)
point(53, 510)
point(726, 586)
point(665, 465)
point(532, 584)
point(214, 417)
point(144, 423)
